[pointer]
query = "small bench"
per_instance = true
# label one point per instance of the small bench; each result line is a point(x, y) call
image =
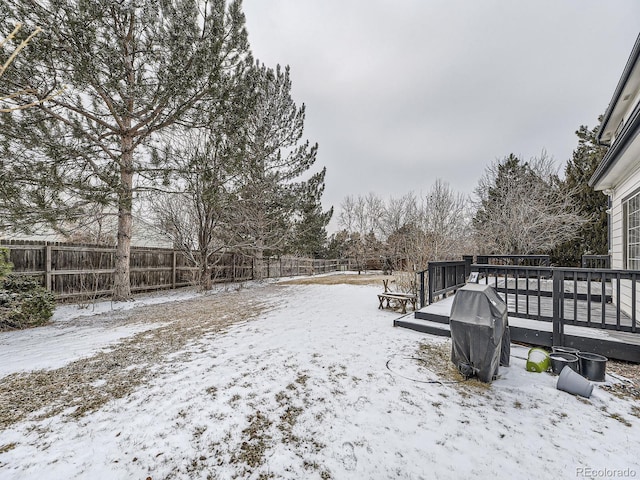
point(400, 299)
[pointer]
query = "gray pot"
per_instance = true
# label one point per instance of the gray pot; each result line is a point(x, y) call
point(592, 366)
point(574, 383)
point(560, 360)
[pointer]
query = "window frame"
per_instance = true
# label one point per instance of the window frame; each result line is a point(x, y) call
point(631, 261)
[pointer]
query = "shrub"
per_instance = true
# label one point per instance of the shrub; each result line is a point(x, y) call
point(24, 303)
point(5, 264)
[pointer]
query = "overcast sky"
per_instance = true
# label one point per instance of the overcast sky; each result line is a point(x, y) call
point(399, 93)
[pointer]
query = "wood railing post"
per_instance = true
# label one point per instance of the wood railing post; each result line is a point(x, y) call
point(47, 267)
point(421, 288)
point(558, 306)
point(468, 260)
point(430, 281)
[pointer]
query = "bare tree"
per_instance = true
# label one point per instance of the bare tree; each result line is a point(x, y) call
point(445, 219)
point(362, 214)
point(194, 209)
point(362, 218)
point(399, 212)
point(415, 231)
point(522, 208)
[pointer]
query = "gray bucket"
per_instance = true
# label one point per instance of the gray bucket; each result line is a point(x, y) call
point(559, 349)
point(560, 360)
point(574, 383)
point(592, 366)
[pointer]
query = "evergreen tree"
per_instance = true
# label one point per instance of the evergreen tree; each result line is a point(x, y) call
point(338, 245)
point(129, 70)
point(6, 100)
point(309, 233)
point(592, 236)
point(269, 192)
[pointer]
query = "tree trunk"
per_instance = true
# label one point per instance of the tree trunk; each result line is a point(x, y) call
point(122, 280)
point(205, 281)
point(259, 270)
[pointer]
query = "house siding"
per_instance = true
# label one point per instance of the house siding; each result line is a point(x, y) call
point(619, 171)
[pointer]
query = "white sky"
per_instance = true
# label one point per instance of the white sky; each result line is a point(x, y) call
point(401, 93)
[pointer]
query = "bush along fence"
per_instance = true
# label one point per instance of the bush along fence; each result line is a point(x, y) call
point(86, 271)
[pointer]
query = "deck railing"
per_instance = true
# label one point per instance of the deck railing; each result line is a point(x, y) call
point(441, 278)
point(599, 298)
point(596, 261)
point(526, 260)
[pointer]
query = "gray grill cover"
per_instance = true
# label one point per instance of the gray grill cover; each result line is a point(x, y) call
point(480, 339)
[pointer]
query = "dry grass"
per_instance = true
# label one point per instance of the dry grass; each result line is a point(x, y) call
point(87, 384)
point(398, 282)
point(340, 279)
point(628, 389)
point(437, 358)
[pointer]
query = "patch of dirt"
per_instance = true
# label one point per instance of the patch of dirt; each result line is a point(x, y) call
point(629, 376)
point(253, 449)
point(85, 385)
point(630, 371)
point(437, 358)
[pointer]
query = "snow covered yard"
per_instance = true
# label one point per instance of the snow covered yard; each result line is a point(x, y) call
point(285, 381)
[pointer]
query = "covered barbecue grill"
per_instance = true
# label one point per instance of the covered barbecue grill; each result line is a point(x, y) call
point(480, 339)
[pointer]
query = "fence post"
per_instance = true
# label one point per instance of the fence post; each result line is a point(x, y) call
point(174, 263)
point(233, 267)
point(47, 267)
point(558, 304)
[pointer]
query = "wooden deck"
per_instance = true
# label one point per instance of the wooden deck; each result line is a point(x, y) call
point(583, 327)
point(575, 312)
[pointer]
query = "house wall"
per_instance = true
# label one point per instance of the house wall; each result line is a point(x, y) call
point(622, 191)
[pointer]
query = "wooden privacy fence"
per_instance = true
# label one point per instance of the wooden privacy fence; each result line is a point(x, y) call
point(70, 270)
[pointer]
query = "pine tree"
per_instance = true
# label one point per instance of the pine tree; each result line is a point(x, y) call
point(6, 100)
point(129, 70)
point(592, 236)
point(338, 245)
point(309, 233)
point(274, 158)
